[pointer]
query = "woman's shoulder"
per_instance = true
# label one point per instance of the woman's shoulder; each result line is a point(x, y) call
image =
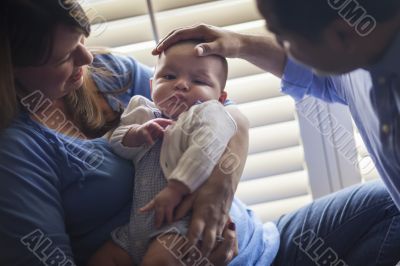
point(20, 132)
point(121, 75)
point(119, 64)
point(23, 144)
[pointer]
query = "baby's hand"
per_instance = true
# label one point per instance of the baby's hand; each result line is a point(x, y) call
point(165, 202)
point(146, 133)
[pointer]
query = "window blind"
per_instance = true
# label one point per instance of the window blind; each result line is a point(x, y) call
point(367, 168)
point(275, 179)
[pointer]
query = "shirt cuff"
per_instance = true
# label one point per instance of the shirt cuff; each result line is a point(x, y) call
point(296, 79)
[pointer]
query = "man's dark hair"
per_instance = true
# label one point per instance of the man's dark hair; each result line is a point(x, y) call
point(310, 17)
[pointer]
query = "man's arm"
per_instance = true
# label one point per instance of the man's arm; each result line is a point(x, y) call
point(262, 50)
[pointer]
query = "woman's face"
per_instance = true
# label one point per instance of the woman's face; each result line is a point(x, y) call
point(63, 72)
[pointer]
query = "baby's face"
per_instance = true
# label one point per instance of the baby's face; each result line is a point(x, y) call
point(182, 78)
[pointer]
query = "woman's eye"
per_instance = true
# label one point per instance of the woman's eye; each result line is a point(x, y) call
point(64, 60)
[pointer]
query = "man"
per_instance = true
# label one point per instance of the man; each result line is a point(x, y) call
point(347, 51)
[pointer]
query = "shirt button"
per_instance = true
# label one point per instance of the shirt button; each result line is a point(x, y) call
point(385, 128)
point(382, 81)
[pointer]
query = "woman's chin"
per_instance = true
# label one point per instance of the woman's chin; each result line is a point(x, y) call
point(73, 86)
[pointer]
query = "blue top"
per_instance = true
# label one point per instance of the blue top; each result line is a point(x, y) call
point(60, 197)
point(373, 96)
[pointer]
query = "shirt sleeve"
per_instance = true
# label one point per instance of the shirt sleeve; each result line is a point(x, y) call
point(205, 131)
point(124, 78)
point(32, 228)
point(139, 111)
point(299, 81)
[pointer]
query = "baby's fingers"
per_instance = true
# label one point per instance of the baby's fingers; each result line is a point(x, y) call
point(148, 207)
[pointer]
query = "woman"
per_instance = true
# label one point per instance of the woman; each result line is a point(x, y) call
point(60, 182)
point(62, 190)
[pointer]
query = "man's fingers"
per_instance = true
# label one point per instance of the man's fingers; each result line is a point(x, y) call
point(170, 215)
point(203, 49)
point(195, 231)
point(159, 216)
point(208, 243)
point(185, 33)
point(157, 50)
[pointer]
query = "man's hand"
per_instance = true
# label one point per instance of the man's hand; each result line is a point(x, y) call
point(263, 51)
point(212, 201)
point(147, 133)
point(216, 40)
point(165, 202)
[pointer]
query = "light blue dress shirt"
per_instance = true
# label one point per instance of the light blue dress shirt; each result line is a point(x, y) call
point(373, 98)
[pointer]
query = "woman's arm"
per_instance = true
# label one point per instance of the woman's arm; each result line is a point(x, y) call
point(212, 201)
point(262, 50)
point(32, 228)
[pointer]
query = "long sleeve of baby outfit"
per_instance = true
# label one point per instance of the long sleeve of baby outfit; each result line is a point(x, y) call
point(139, 111)
point(194, 144)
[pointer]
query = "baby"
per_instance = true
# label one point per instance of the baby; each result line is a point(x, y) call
point(174, 143)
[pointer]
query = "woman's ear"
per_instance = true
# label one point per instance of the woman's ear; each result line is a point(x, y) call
point(223, 97)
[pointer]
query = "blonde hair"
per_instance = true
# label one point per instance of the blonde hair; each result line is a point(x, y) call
point(84, 105)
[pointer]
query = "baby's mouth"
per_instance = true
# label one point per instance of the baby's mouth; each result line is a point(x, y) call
point(175, 105)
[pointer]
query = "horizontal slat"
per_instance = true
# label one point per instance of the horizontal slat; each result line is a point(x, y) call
point(365, 163)
point(370, 175)
point(161, 5)
point(271, 211)
point(273, 188)
point(367, 168)
point(119, 9)
point(273, 163)
point(362, 150)
point(240, 68)
point(122, 32)
point(269, 111)
point(138, 29)
point(139, 51)
point(273, 137)
point(253, 88)
point(235, 11)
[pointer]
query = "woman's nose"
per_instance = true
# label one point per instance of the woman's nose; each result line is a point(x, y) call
point(83, 56)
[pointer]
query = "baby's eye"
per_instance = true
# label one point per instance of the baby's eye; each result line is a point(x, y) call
point(169, 77)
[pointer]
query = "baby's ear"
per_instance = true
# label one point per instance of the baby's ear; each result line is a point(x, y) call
point(223, 97)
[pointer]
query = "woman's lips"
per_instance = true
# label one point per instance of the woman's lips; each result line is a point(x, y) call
point(77, 76)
